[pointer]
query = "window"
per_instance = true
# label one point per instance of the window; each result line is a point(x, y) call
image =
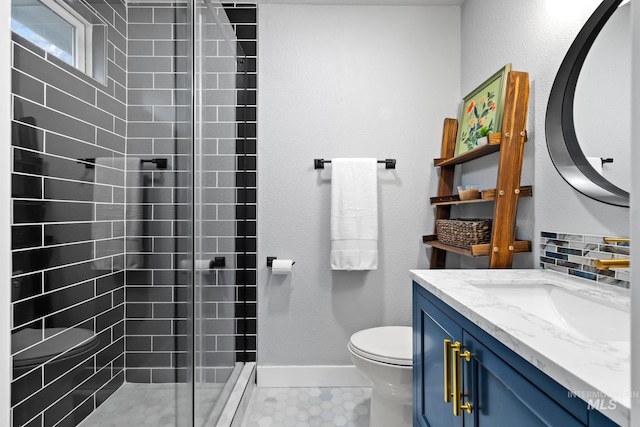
point(55, 27)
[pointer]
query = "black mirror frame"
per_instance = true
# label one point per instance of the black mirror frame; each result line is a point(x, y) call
point(562, 142)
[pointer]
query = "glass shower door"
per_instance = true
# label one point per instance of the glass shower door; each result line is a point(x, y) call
point(215, 204)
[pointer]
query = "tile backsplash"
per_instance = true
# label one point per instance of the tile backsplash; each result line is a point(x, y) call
point(574, 255)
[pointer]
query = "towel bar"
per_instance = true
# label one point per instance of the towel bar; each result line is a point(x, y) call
point(389, 163)
point(90, 163)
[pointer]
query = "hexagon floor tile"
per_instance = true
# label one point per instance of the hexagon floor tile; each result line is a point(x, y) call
point(308, 407)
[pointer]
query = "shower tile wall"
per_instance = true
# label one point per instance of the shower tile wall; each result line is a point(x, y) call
point(158, 127)
point(67, 267)
point(158, 113)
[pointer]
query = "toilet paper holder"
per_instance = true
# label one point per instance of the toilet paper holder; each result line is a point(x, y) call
point(270, 261)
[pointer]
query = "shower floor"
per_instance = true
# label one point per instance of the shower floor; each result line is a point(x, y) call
point(154, 405)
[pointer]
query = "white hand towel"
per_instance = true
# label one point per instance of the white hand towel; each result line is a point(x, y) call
point(108, 172)
point(354, 214)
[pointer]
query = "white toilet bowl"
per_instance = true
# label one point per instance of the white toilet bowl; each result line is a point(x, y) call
point(384, 355)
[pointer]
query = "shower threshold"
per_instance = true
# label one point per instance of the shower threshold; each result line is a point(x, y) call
point(168, 404)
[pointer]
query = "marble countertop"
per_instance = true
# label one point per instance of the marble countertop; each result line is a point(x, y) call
point(587, 368)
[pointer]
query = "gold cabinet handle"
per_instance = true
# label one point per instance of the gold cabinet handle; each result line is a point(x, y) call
point(458, 406)
point(617, 240)
point(447, 370)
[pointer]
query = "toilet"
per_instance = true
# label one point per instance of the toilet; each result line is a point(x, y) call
point(67, 346)
point(384, 355)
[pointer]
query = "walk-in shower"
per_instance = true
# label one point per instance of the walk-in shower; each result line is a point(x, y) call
point(133, 210)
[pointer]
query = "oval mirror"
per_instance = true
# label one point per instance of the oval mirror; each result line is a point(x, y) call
point(583, 158)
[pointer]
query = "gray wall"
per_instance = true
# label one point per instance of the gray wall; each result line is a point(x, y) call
point(346, 81)
point(534, 37)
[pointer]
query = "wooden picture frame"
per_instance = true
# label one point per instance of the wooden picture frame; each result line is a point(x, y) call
point(481, 112)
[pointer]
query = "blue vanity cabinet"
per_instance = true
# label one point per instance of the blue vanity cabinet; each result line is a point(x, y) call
point(501, 397)
point(502, 388)
point(431, 328)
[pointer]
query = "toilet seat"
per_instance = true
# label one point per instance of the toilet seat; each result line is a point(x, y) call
point(66, 339)
point(387, 344)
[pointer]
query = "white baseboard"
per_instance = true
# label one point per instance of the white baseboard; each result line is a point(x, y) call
point(311, 376)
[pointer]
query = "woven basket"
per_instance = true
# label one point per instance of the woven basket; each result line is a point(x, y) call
point(462, 233)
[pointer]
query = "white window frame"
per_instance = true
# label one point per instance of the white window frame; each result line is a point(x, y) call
point(83, 31)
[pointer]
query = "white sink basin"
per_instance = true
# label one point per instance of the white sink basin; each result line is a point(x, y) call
point(592, 318)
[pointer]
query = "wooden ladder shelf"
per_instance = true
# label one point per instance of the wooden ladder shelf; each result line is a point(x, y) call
point(510, 144)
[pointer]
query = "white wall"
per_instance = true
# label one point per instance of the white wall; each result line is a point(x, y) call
point(346, 81)
point(5, 212)
point(534, 35)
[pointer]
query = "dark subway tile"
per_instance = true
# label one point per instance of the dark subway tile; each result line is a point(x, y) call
point(148, 327)
point(180, 360)
point(74, 149)
point(246, 196)
point(65, 103)
point(109, 283)
point(26, 385)
point(246, 277)
point(170, 311)
point(52, 120)
point(118, 329)
point(105, 392)
point(26, 187)
point(56, 368)
point(246, 146)
point(247, 163)
point(51, 393)
point(79, 313)
point(248, 179)
point(36, 259)
point(25, 135)
point(147, 360)
point(109, 318)
point(171, 375)
point(246, 113)
point(77, 232)
point(246, 261)
point(41, 69)
point(246, 326)
point(247, 32)
point(110, 353)
point(246, 212)
point(27, 87)
point(26, 236)
point(139, 310)
point(170, 343)
point(67, 275)
point(78, 191)
point(246, 293)
point(26, 286)
point(248, 244)
point(34, 308)
point(245, 342)
point(138, 375)
point(246, 228)
point(26, 211)
point(61, 409)
point(138, 343)
point(237, 16)
point(138, 277)
point(31, 334)
point(247, 97)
